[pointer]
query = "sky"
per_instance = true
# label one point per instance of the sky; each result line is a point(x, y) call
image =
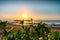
point(38, 10)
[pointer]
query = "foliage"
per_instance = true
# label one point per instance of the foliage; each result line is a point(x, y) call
point(3, 24)
point(39, 31)
point(55, 35)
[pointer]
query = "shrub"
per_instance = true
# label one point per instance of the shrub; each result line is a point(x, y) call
point(38, 32)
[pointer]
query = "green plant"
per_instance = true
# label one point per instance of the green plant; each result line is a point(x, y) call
point(3, 24)
point(17, 34)
point(6, 34)
point(31, 33)
point(55, 35)
point(42, 31)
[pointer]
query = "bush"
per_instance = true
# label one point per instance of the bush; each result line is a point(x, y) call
point(55, 35)
point(38, 32)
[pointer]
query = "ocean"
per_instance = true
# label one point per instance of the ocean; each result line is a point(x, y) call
point(48, 21)
point(53, 23)
point(45, 21)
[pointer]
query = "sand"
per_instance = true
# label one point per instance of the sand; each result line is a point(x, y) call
point(12, 27)
point(55, 29)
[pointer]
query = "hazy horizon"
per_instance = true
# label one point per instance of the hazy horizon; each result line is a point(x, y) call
point(37, 10)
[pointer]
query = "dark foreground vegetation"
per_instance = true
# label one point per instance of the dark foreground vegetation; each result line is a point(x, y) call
point(31, 32)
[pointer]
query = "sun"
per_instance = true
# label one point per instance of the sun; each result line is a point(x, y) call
point(24, 16)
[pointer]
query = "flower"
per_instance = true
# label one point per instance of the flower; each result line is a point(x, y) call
point(41, 38)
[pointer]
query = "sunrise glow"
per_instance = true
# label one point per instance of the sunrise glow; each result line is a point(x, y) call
point(24, 15)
